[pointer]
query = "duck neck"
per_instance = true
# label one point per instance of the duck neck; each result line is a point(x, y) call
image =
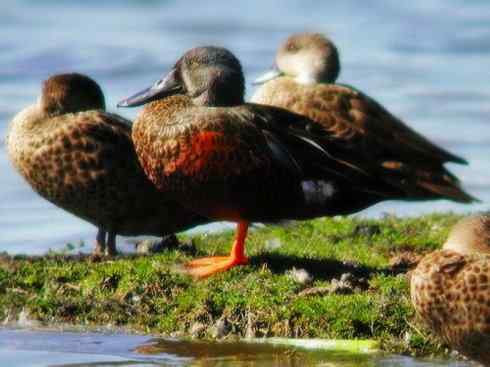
point(223, 98)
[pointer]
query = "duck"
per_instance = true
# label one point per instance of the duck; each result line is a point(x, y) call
point(81, 158)
point(199, 142)
point(450, 289)
point(303, 80)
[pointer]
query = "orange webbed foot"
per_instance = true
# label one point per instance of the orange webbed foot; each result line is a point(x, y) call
point(204, 261)
point(207, 266)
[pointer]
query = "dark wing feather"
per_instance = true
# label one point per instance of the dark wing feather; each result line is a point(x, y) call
point(358, 131)
point(282, 154)
point(319, 155)
point(320, 152)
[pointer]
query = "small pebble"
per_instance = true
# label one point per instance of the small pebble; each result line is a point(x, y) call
point(152, 246)
point(177, 334)
point(24, 320)
point(250, 333)
point(407, 336)
point(300, 276)
point(338, 287)
point(136, 299)
point(220, 328)
point(196, 329)
point(346, 277)
point(343, 285)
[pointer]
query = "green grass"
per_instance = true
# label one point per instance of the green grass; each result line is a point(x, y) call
point(146, 293)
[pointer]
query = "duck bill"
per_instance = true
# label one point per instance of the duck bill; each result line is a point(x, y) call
point(269, 75)
point(168, 86)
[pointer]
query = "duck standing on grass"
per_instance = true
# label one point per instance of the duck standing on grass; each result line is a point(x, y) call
point(303, 81)
point(198, 141)
point(450, 289)
point(82, 159)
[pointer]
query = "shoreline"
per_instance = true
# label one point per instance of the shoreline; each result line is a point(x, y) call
point(337, 278)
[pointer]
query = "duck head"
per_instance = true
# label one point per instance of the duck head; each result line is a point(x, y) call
point(70, 93)
point(308, 58)
point(210, 76)
point(471, 235)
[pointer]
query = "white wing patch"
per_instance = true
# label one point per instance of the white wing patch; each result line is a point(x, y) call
point(317, 192)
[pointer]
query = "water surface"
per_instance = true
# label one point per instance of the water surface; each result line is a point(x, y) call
point(27, 348)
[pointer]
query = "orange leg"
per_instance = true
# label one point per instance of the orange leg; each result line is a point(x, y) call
point(206, 266)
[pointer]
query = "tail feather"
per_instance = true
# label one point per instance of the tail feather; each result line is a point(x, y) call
point(426, 183)
point(451, 192)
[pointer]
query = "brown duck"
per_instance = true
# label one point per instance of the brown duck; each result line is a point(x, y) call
point(303, 81)
point(82, 159)
point(450, 289)
point(216, 155)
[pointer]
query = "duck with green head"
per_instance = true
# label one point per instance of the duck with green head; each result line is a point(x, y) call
point(199, 142)
point(304, 81)
point(82, 159)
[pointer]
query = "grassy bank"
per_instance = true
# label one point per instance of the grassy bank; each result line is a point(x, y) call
point(327, 278)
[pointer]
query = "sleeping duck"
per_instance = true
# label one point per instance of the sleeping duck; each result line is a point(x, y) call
point(82, 159)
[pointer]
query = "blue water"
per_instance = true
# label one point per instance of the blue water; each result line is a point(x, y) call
point(37, 348)
point(427, 61)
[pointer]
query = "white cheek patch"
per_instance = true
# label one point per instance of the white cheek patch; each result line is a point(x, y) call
point(305, 79)
point(317, 192)
point(305, 71)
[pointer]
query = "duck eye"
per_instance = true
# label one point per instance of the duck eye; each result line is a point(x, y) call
point(291, 47)
point(180, 80)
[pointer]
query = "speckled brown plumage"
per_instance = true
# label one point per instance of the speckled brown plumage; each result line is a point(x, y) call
point(450, 289)
point(82, 159)
point(309, 65)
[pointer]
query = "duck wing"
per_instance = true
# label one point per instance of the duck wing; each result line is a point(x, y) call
point(320, 155)
point(356, 118)
point(326, 150)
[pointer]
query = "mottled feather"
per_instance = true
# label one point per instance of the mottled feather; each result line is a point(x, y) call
point(85, 162)
point(450, 289)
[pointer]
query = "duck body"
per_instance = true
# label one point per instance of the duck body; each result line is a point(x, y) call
point(85, 163)
point(199, 142)
point(450, 290)
point(451, 293)
point(232, 163)
point(305, 84)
